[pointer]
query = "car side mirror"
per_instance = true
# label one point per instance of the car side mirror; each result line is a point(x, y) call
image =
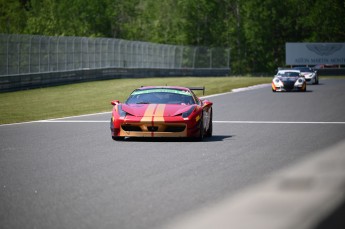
point(115, 102)
point(207, 103)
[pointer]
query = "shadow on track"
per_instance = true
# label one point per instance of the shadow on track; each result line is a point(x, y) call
point(214, 138)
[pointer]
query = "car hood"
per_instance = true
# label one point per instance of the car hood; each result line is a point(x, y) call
point(288, 79)
point(307, 73)
point(163, 110)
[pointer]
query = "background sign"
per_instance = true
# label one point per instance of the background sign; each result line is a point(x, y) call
point(315, 53)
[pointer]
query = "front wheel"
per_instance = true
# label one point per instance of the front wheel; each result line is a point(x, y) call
point(117, 138)
point(201, 127)
point(304, 89)
point(210, 127)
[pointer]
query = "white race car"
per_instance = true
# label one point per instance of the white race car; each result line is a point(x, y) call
point(289, 80)
point(309, 74)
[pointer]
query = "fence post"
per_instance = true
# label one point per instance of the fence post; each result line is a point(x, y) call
point(228, 64)
point(119, 54)
point(29, 54)
point(39, 54)
point(18, 56)
point(194, 54)
point(73, 52)
point(49, 54)
point(211, 58)
point(65, 53)
point(57, 54)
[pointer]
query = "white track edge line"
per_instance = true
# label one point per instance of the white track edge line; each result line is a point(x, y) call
point(52, 120)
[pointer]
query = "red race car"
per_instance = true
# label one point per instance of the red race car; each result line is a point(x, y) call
point(162, 111)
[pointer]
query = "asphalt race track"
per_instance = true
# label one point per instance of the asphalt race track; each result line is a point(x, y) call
point(69, 173)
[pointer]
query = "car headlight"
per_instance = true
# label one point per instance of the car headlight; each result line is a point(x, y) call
point(300, 81)
point(121, 112)
point(188, 112)
point(278, 83)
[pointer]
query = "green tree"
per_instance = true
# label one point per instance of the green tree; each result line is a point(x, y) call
point(150, 20)
point(122, 14)
point(198, 15)
point(263, 33)
point(69, 18)
point(13, 16)
point(256, 31)
point(326, 21)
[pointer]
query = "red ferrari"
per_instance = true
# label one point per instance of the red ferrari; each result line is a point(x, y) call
point(162, 111)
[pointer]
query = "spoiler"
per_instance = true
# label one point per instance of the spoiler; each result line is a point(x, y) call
point(198, 89)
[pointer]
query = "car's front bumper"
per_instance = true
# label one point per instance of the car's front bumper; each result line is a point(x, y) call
point(310, 78)
point(289, 89)
point(132, 127)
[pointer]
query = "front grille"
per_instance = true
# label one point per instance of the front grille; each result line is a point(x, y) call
point(289, 85)
point(152, 128)
point(158, 128)
point(175, 128)
point(130, 128)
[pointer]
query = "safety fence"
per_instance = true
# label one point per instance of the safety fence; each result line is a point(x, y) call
point(30, 61)
point(28, 54)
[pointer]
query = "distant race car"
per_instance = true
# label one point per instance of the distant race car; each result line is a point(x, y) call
point(289, 80)
point(309, 74)
point(162, 111)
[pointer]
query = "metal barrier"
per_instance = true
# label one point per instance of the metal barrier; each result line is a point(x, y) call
point(31, 54)
point(30, 61)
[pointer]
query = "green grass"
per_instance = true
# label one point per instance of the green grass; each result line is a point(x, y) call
point(92, 97)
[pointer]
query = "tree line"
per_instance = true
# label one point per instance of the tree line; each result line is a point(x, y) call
point(255, 30)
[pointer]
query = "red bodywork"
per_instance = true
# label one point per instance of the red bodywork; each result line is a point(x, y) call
point(162, 119)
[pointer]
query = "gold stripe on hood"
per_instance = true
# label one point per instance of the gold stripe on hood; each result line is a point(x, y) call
point(159, 113)
point(149, 113)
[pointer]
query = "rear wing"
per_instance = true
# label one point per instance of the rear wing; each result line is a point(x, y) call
point(198, 89)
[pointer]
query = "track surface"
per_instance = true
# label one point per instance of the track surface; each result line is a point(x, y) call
point(72, 175)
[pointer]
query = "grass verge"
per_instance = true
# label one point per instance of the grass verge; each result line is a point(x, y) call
point(93, 97)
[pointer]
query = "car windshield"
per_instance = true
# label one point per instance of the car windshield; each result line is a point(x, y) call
point(289, 74)
point(161, 96)
point(303, 69)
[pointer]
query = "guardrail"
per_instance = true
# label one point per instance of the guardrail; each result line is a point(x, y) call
point(26, 58)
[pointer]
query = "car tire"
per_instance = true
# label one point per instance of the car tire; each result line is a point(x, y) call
point(210, 127)
point(117, 138)
point(201, 135)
